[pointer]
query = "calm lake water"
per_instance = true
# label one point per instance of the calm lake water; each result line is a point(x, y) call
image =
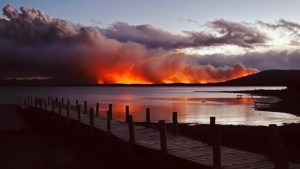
point(193, 104)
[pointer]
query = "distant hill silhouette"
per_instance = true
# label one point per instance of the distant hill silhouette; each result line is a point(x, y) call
point(268, 78)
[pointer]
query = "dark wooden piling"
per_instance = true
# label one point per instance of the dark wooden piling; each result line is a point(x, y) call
point(131, 130)
point(126, 113)
point(111, 110)
point(31, 101)
point(212, 125)
point(79, 113)
point(24, 106)
point(40, 103)
point(175, 123)
point(68, 101)
point(68, 111)
point(91, 115)
point(62, 102)
point(108, 124)
point(97, 109)
point(216, 145)
point(85, 107)
point(278, 153)
point(45, 104)
point(56, 101)
point(59, 108)
point(76, 104)
point(35, 102)
point(148, 120)
point(48, 99)
point(163, 138)
point(53, 108)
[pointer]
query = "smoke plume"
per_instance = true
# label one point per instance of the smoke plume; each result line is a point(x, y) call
point(228, 33)
point(35, 44)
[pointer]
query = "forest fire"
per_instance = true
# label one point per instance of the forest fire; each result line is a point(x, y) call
point(129, 76)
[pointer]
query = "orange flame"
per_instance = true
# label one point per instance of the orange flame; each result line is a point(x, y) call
point(117, 63)
point(128, 76)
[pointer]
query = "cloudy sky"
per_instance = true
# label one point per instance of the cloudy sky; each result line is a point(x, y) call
point(134, 41)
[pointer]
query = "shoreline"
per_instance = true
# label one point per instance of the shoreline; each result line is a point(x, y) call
point(290, 99)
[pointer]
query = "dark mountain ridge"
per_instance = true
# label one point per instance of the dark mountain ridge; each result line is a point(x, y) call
point(267, 78)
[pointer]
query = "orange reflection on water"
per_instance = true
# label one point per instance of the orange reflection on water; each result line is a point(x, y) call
point(188, 109)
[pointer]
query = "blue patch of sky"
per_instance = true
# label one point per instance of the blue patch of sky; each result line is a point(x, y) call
point(170, 15)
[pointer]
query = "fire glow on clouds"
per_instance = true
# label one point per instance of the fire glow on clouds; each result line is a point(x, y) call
point(35, 44)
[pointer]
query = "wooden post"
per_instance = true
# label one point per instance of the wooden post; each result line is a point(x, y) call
point(92, 118)
point(35, 103)
point(24, 104)
point(131, 130)
point(45, 104)
point(216, 143)
point(28, 102)
point(59, 108)
point(79, 112)
point(62, 102)
point(97, 109)
point(163, 138)
point(68, 111)
point(76, 104)
point(148, 121)
point(277, 152)
point(85, 107)
point(175, 123)
point(110, 109)
point(41, 103)
point(108, 124)
point(126, 113)
point(53, 107)
point(31, 101)
point(212, 125)
point(48, 99)
point(56, 101)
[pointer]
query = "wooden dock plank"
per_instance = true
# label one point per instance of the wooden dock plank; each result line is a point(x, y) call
point(179, 146)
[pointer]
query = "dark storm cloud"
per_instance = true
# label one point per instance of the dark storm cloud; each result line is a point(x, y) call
point(238, 33)
point(228, 33)
point(283, 24)
point(262, 61)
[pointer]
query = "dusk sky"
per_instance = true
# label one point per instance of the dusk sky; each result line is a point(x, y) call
point(133, 41)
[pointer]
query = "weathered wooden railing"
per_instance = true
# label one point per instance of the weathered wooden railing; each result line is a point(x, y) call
point(212, 154)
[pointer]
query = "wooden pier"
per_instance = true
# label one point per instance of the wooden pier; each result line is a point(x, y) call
point(212, 155)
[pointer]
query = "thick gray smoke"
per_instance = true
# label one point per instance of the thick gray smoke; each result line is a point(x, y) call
point(35, 44)
point(229, 33)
